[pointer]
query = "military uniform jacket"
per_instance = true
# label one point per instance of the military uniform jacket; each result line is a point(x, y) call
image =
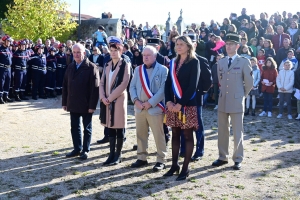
point(61, 59)
point(236, 83)
point(5, 56)
point(19, 60)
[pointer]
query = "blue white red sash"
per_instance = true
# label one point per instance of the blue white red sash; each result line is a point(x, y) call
point(175, 84)
point(146, 85)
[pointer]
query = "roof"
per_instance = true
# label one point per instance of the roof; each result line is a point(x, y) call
point(83, 16)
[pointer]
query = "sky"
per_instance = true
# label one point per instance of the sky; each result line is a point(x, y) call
point(194, 11)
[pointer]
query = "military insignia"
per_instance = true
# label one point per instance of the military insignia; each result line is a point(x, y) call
point(236, 68)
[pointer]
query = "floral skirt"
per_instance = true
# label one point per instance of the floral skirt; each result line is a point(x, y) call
point(190, 122)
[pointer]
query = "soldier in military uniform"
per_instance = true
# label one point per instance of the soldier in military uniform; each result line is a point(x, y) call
point(61, 67)
point(39, 70)
point(236, 81)
point(30, 54)
point(19, 62)
point(5, 69)
point(51, 73)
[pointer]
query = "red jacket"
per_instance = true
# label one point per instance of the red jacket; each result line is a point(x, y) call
point(270, 75)
point(261, 62)
point(275, 41)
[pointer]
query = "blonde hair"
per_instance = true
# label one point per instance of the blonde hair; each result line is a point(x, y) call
point(289, 62)
point(191, 49)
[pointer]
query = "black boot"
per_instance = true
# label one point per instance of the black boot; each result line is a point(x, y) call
point(52, 94)
point(1, 101)
point(17, 98)
point(253, 112)
point(247, 111)
point(112, 148)
point(11, 93)
point(104, 140)
point(22, 96)
point(7, 99)
point(118, 155)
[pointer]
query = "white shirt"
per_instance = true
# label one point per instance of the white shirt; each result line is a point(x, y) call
point(233, 57)
point(109, 80)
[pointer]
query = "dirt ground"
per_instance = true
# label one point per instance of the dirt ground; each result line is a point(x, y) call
point(35, 136)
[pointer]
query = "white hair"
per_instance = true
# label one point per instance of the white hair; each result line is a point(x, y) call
point(79, 46)
point(152, 49)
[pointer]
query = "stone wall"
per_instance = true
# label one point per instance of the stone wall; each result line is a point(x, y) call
point(88, 27)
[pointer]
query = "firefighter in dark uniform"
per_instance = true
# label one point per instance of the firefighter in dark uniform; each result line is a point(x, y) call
point(39, 70)
point(30, 53)
point(51, 73)
point(14, 46)
point(19, 63)
point(5, 69)
point(61, 67)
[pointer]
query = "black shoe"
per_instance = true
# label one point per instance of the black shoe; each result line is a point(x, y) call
point(1, 101)
point(159, 166)
point(34, 98)
point(219, 163)
point(72, 154)
point(22, 96)
point(118, 155)
point(134, 148)
point(183, 175)
point(237, 166)
point(253, 112)
point(103, 141)
point(43, 96)
point(172, 171)
point(196, 158)
point(83, 155)
point(112, 149)
point(139, 163)
point(6, 99)
point(17, 97)
point(247, 111)
point(182, 155)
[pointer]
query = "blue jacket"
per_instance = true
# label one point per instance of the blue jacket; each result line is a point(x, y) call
point(5, 56)
point(38, 61)
point(19, 59)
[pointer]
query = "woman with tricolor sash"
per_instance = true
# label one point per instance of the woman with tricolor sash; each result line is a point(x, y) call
point(180, 92)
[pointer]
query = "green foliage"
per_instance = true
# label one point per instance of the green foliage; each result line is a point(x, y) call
point(38, 19)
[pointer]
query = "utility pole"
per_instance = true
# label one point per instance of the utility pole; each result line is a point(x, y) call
point(79, 20)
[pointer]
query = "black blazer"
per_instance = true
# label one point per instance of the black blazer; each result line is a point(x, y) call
point(99, 60)
point(188, 78)
point(205, 79)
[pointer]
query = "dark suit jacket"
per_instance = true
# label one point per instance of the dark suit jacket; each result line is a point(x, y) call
point(81, 87)
point(130, 55)
point(99, 60)
point(205, 80)
point(188, 78)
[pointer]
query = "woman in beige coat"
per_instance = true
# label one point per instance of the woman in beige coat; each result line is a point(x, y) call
point(113, 100)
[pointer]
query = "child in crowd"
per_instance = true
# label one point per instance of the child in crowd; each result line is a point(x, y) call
point(268, 81)
point(219, 44)
point(253, 45)
point(290, 57)
point(261, 59)
point(260, 43)
point(215, 80)
point(285, 82)
point(245, 52)
point(254, 92)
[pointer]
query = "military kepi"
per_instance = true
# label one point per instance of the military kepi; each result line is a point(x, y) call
point(153, 41)
point(233, 38)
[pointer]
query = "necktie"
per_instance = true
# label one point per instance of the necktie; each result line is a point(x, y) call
point(229, 63)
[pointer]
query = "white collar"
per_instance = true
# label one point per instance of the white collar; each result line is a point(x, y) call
point(233, 57)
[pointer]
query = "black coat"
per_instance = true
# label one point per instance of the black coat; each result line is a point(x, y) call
point(188, 78)
point(297, 79)
point(130, 55)
point(99, 60)
point(205, 80)
point(81, 87)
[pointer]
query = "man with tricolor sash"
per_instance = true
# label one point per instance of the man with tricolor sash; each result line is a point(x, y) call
point(147, 94)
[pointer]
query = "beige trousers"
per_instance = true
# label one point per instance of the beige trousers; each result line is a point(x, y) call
point(155, 122)
point(223, 135)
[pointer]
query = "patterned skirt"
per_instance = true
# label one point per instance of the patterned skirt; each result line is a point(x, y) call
point(190, 122)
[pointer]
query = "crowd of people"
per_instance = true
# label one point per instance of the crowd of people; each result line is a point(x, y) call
point(168, 83)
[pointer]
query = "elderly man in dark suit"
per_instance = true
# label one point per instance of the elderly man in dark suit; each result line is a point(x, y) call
point(80, 97)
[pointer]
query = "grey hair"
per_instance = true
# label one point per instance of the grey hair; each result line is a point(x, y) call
point(79, 46)
point(106, 48)
point(152, 49)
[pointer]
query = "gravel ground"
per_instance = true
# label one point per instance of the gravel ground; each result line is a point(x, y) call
point(35, 136)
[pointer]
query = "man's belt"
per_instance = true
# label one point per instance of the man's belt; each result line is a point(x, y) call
point(38, 68)
point(51, 69)
point(4, 66)
point(61, 66)
point(20, 67)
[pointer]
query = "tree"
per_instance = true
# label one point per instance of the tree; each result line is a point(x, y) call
point(3, 7)
point(38, 19)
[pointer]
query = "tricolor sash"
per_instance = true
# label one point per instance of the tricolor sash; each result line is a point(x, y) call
point(146, 85)
point(175, 84)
